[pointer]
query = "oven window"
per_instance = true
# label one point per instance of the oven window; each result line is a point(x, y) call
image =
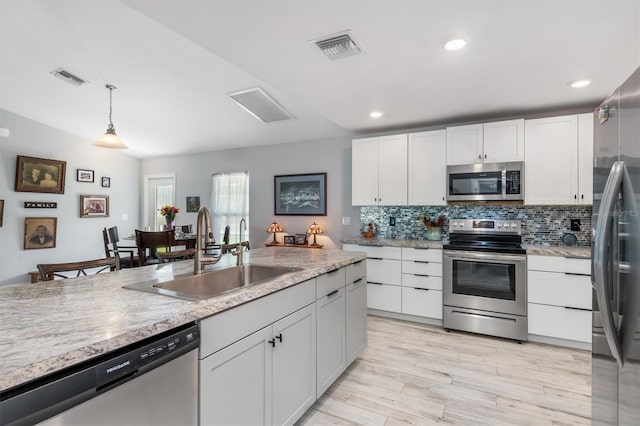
point(489, 183)
point(494, 280)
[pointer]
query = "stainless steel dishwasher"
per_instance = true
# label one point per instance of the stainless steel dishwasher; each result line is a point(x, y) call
point(153, 382)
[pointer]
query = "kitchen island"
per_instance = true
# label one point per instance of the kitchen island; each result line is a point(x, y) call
point(47, 327)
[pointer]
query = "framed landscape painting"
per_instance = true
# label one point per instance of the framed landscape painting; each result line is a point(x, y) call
point(304, 194)
point(40, 175)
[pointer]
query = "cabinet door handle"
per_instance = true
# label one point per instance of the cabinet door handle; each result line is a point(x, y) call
point(333, 271)
point(375, 258)
point(372, 282)
point(421, 275)
point(575, 196)
point(273, 343)
point(577, 274)
point(577, 309)
point(485, 156)
point(357, 281)
point(422, 289)
point(479, 156)
point(420, 261)
point(332, 293)
point(279, 337)
point(582, 196)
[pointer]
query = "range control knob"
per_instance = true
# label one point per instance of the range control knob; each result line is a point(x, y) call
point(513, 225)
point(499, 225)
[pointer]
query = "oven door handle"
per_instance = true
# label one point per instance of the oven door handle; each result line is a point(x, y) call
point(476, 255)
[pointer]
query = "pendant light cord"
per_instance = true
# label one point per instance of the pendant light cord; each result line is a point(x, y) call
point(111, 88)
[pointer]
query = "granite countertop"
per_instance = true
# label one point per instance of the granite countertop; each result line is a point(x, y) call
point(379, 242)
point(542, 250)
point(49, 326)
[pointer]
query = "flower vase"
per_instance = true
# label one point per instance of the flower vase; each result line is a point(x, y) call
point(169, 225)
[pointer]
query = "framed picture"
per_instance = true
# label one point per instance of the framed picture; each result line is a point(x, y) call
point(301, 239)
point(83, 175)
point(193, 204)
point(40, 175)
point(40, 232)
point(300, 195)
point(289, 240)
point(1, 211)
point(94, 206)
point(40, 205)
point(106, 182)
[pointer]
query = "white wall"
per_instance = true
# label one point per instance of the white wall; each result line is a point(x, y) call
point(77, 238)
point(193, 177)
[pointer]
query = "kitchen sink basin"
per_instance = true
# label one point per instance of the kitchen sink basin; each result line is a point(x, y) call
point(213, 283)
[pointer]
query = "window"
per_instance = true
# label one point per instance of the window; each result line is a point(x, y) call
point(230, 204)
point(159, 191)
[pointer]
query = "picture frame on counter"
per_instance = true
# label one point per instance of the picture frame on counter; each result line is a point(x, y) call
point(40, 232)
point(289, 240)
point(40, 175)
point(94, 206)
point(85, 175)
point(300, 239)
point(300, 195)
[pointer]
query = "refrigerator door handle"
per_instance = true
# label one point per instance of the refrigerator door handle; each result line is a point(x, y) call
point(632, 296)
point(601, 258)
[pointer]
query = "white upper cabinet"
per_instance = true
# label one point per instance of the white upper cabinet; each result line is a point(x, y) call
point(427, 168)
point(504, 141)
point(464, 144)
point(379, 171)
point(559, 160)
point(585, 158)
point(500, 141)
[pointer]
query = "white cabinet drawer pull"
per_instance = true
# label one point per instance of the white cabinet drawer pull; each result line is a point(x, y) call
point(371, 282)
point(422, 289)
point(375, 258)
point(578, 274)
point(577, 309)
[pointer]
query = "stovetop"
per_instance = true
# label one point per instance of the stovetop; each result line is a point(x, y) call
point(488, 235)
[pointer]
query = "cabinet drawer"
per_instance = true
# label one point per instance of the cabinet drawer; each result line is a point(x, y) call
point(559, 322)
point(384, 297)
point(329, 282)
point(559, 289)
point(558, 264)
point(426, 255)
point(432, 282)
point(421, 268)
point(424, 303)
point(384, 271)
point(382, 252)
point(356, 270)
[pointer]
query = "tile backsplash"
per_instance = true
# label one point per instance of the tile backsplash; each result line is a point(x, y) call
point(540, 224)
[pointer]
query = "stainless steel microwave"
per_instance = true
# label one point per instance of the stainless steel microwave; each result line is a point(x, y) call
point(486, 182)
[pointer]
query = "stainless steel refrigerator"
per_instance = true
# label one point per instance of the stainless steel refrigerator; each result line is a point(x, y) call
point(615, 258)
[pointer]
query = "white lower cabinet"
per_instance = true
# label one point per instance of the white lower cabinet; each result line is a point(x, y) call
point(559, 298)
point(265, 378)
point(356, 307)
point(422, 282)
point(331, 337)
point(384, 297)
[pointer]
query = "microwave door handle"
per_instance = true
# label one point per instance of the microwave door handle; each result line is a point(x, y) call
point(602, 259)
point(632, 253)
point(504, 183)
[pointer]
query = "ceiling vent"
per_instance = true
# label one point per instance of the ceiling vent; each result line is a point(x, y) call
point(262, 106)
point(338, 46)
point(68, 77)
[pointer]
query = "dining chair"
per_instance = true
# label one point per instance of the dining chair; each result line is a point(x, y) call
point(48, 271)
point(150, 242)
point(125, 254)
point(172, 256)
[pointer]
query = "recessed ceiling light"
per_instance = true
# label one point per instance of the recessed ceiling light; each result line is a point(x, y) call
point(455, 44)
point(375, 114)
point(579, 83)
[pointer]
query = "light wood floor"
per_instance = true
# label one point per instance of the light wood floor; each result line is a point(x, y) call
point(419, 374)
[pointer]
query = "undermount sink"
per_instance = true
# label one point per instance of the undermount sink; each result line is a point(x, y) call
point(214, 283)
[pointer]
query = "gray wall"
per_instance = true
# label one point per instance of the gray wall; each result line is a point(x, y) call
point(193, 177)
point(77, 238)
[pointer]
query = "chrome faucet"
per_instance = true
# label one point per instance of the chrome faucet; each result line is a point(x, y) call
point(239, 248)
point(201, 259)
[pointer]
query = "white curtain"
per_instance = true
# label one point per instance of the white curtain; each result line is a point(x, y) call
point(230, 204)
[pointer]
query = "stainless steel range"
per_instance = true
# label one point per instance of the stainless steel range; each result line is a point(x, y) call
point(485, 278)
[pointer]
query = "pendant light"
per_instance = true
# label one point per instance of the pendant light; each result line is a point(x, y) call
point(110, 139)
